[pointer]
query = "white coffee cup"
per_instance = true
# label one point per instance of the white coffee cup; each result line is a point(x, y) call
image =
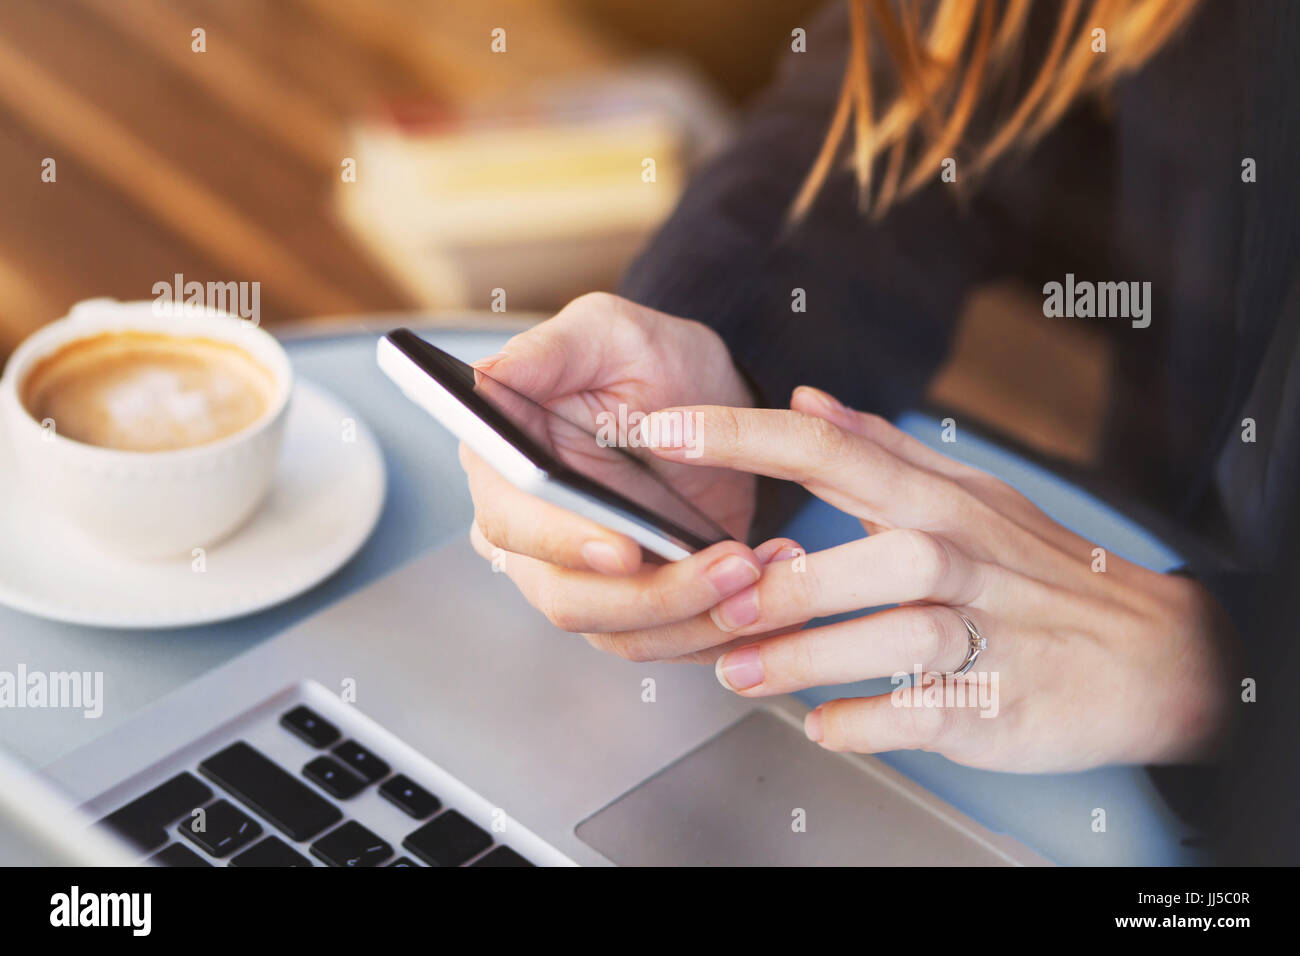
point(148, 504)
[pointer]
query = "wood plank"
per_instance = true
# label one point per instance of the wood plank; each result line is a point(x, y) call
point(75, 239)
point(163, 108)
point(24, 304)
point(255, 92)
point(447, 46)
point(45, 103)
point(315, 56)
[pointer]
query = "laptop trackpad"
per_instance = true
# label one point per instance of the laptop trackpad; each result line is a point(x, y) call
point(760, 793)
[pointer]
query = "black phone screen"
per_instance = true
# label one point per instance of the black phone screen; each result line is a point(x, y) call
point(625, 478)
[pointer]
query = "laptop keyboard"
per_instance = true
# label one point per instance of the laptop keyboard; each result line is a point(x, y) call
point(308, 809)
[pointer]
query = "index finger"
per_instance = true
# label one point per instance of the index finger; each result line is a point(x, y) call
point(843, 468)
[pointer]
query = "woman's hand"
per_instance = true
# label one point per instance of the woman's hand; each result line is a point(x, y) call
point(1083, 666)
point(599, 353)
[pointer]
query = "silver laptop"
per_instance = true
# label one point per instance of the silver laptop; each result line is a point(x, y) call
point(434, 718)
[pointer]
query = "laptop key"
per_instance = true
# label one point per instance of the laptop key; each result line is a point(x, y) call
point(222, 828)
point(403, 861)
point(271, 791)
point(310, 726)
point(409, 797)
point(501, 856)
point(178, 854)
point(447, 840)
point(351, 845)
point(334, 778)
point(143, 821)
point(270, 852)
point(358, 758)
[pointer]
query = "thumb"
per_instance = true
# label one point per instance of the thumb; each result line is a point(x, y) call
point(572, 352)
point(534, 363)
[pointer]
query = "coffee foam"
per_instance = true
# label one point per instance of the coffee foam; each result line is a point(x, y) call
point(141, 391)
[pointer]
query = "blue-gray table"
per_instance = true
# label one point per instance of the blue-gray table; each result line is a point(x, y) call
point(428, 502)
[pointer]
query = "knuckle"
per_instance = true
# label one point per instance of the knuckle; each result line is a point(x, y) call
point(636, 647)
point(657, 602)
point(487, 524)
point(558, 611)
point(635, 325)
point(602, 642)
point(925, 727)
point(831, 452)
point(565, 619)
point(924, 556)
point(800, 664)
point(929, 634)
point(594, 301)
point(493, 528)
point(706, 657)
point(725, 427)
point(827, 438)
point(799, 589)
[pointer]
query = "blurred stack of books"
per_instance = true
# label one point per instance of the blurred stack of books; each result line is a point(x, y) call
point(545, 197)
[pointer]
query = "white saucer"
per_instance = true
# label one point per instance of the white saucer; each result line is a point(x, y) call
point(327, 496)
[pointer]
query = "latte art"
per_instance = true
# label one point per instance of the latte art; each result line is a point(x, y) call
point(142, 391)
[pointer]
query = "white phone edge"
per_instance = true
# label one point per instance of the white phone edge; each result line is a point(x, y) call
point(509, 462)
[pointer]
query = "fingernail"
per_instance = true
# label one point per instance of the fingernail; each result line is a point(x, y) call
point(486, 363)
point(823, 398)
point(812, 725)
point(736, 611)
point(784, 553)
point(603, 557)
point(740, 669)
point(728, 575)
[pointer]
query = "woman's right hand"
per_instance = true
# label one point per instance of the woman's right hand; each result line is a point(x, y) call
point(596, 354)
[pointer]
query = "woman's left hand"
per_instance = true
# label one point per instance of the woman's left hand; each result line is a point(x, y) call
point(1089, 659)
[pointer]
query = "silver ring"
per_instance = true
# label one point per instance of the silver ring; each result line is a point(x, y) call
point(974, 647)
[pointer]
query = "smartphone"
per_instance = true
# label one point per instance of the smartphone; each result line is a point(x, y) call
point(545, 454)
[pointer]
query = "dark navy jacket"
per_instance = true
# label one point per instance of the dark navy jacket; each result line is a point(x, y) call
point(1146, 186)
